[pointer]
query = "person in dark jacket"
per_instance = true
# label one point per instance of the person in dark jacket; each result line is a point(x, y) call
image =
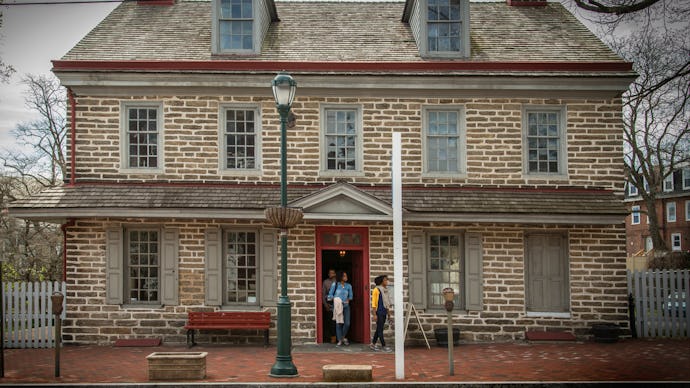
point(380, 308)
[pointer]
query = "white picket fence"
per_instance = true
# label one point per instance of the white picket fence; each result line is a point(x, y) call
point(28, 314)
point(661, 299)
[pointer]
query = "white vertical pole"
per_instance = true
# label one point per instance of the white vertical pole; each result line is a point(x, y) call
point(397, 258)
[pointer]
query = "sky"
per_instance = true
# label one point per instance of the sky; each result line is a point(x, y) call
point(30, 37)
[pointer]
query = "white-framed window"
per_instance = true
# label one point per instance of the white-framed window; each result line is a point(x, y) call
point(635, 215)
point(668, 183)
point(544, 141)
point(444, 140)
point(241, 267)
point(687, 210)
point(142, 136)
point(341, 139)
point(445, 267)
point(648, 244)
point(676, 241)
point(671, 211)
point(234, 26)
point(632, 190)
point(445, 28)
point(686, 178)
point(141, 265)
point(239, 138)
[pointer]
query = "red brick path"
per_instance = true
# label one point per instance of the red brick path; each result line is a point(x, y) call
point(629, 360)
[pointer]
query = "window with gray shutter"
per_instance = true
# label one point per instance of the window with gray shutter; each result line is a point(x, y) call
point(113, 265)
point(213, 268)
point(416, 257)
point(474, 287)
point(268, 282)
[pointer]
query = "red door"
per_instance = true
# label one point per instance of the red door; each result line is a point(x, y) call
point(345, 249)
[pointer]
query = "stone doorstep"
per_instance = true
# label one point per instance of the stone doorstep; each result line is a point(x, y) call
point(177, 365)
point(347, 373)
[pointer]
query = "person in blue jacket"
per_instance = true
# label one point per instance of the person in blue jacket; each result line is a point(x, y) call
point(341, 295)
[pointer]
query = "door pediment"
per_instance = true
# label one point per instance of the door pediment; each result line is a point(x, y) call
point(343, 201)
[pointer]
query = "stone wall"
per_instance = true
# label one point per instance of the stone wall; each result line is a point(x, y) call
point(493, 138)
point(596, 263)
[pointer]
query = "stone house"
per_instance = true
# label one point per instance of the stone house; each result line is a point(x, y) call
point(672, 209)
point(512, 165)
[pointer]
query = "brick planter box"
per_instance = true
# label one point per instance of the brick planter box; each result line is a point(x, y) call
point(177, 365)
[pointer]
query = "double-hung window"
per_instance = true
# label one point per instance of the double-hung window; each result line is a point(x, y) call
point(687, 210)
point(668, 182)
point(241, 267)
point(240, 127)
point(635, 215)
point(342, 139)
point(235, 25)
point(676, 242)
point(142, 136)
point(632, 190)
point(686, 178)
point(445, 269)
point(444, 137)
point(670, 211)
point(447, 27)
point(141, 265)
point(545, 141)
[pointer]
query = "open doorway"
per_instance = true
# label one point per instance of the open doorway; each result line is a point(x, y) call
point(348, 252)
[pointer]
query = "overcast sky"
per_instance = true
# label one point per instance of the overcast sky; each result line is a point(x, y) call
point(30, 37)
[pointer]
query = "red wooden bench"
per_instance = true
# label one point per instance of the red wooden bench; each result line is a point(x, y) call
point(225, 320)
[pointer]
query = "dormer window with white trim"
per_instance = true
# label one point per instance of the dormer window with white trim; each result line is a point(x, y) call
point(441, 27)
point(668, 183)
point(239, 26)
point(632, 190)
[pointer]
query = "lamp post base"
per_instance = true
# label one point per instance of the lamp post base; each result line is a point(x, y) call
point(283, 366)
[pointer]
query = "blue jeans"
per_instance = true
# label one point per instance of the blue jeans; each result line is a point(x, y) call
point(341, 329)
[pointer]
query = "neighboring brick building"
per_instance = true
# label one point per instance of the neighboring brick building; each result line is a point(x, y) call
point(512, 165)
point(673, 212)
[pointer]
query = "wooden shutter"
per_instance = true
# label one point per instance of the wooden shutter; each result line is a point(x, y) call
point(213, 266)
point(474, 290)
point(169, 264)
point(416, 256)
point(268, 281)
point(114, 264)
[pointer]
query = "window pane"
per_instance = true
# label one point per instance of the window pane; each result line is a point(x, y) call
point(342, 139)
point(442, 141)
point(543, 142)
point(142, 136)
point(142, 263)
point(445, 267)
point(240, 267)
point(240, 137)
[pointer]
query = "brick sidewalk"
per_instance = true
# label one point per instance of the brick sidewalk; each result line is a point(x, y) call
point(629, 360)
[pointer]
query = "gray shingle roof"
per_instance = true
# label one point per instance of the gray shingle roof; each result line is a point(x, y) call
point(422, 200)
point(339, 31)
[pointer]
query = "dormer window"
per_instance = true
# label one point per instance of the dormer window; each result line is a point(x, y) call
point(441, 27)
point(239, 26)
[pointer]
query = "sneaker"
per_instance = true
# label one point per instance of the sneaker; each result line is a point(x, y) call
point(340, 343)
point(346, 342)
point(375, 348)
point(387, 349)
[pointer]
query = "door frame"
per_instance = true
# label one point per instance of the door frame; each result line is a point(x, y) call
point(565, 258)
point(364, 248)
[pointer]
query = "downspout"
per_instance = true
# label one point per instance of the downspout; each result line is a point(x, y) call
point(64, 247)
point(73, 135)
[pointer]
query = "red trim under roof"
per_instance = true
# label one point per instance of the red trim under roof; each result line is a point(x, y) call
point(383, 67)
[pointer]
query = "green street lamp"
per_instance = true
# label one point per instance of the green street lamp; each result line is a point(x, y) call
point(283, 217)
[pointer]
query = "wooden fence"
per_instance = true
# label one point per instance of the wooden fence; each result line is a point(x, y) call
point(28, 314)
point(660, 301)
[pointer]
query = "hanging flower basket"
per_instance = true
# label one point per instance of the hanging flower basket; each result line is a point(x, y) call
point(284, 217)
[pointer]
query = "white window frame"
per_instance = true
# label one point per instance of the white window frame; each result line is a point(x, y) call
point(562, 113)
point(632, 190)
point(671, 210)
point(462, 141)
point(687, 210)
point(125, 106)
point(686, 178)
point(464, 33)
point(126, 265)
point(676, 237)
point(635, 214)
point(668, 183)
point(215, 31)
point(222, 157)
point(323, 146)
point(460, 302)
point(257, 257)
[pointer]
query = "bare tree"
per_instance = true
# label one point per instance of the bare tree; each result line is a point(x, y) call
point(6, 70)
point(36, 161)
point(656, 113)
point(41, 144)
